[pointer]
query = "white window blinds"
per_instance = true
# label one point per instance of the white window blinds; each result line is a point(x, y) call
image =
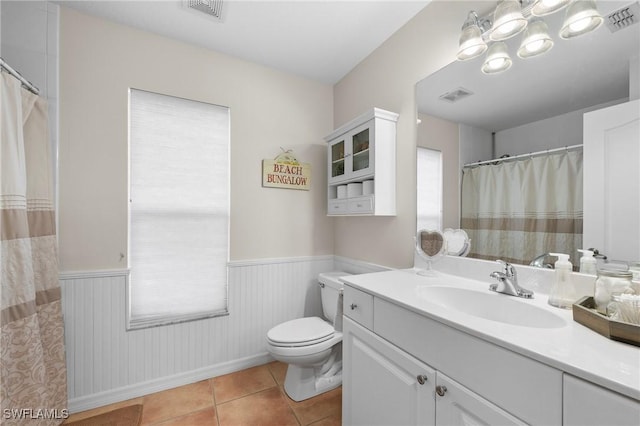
point(178, 209)
point(429, 189)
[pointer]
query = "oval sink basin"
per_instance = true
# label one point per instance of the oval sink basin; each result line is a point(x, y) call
point(492, 306)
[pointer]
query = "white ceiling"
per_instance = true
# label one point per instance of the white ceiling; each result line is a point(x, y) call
point(320, 40)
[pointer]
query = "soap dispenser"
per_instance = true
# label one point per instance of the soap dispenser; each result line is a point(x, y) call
point(562, 294)
point(588, 263)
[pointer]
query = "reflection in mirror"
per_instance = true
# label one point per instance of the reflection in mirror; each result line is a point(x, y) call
point(429, 188)
point(457, 242)
point(505, 210)
point(536, 106)
point(430, 245)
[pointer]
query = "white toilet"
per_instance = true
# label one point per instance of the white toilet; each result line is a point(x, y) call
point(312, 346)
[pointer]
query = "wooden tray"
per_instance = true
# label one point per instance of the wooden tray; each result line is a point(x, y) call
point(585, 313)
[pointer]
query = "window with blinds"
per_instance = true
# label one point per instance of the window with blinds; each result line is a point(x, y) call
point(429, 189)
point(178, 209)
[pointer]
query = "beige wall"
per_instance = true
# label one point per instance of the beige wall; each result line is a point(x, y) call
point(100, 60)
point(387, 79)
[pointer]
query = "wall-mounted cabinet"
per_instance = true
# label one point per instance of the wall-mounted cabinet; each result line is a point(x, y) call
point(362, 166)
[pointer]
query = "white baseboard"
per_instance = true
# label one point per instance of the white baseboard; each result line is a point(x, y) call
point(145, 388)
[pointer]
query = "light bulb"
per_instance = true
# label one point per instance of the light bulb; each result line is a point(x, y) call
point(471, 43)
point(507, 20)
point(472, 51)
point(582, 17)
point(497, 63)
point(497, 59)
point(536, 40)
point(507, 27)
point(547, 7)
point(580, 25)
point(534, 46)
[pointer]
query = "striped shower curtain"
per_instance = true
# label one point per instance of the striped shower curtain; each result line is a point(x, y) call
point(33, 388)
point(518, 210)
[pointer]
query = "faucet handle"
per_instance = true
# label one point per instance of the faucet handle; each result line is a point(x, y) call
point(509, 270)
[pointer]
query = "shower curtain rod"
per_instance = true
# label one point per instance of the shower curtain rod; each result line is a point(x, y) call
point(531, 154)
point(26, 83)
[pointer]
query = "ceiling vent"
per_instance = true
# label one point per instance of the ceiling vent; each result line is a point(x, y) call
point(212, 8)
point(456, 95)
point(623, 17)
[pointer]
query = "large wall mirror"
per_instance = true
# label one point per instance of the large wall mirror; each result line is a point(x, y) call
point(532, 113)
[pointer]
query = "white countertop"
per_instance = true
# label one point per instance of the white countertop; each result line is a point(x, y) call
point(572, 348)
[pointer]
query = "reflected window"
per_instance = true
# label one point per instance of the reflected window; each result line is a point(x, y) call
point(429, 189)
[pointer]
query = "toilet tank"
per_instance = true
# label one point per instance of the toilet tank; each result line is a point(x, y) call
point(330, 288)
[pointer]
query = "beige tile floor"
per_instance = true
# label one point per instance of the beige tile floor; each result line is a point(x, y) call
point(254, 396)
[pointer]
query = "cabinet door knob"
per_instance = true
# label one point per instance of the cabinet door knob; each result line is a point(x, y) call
point(353, 306)
point(441, 390)
point(422, 379)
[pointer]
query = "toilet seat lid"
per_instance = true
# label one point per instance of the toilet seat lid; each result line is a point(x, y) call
point(301, 331)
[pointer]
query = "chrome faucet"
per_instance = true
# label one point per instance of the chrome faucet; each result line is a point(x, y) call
point(508, 282)
point(538, 262)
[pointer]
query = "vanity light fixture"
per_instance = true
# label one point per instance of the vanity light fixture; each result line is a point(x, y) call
point(471, 43)
point(510, 17)
point(508, 20)
point(582, 17)
point(497, 60)
point(536, 40)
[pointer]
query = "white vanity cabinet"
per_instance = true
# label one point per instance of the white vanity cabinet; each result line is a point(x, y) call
point(363, 149)
point(467, 380)
point(383, 385)
point(487, 371)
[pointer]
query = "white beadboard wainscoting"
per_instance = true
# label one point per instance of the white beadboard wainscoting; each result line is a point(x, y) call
point(107, 364)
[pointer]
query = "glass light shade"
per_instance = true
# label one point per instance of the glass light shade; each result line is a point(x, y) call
point(536, 40)
point(471, 43)
point(547, 7)
point(507, 20)
point(497, 59)
point(582, 17)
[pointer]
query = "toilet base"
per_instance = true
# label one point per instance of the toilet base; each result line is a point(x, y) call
point(304, 382)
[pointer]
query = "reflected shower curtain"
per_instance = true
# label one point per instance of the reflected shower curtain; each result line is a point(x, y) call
point(33, 387)
point(518, 210)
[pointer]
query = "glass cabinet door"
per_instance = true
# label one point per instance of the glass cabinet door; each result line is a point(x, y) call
point(360, 150)
point(337, 159)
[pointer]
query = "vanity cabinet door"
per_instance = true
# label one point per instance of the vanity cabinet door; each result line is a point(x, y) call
point(586, 404)
point(383, 385)
point(458, 406)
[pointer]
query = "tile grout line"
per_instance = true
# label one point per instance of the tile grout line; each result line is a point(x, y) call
point(284, 395)
point(215, 404)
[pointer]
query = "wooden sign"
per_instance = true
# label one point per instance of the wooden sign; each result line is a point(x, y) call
point(286, 172)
